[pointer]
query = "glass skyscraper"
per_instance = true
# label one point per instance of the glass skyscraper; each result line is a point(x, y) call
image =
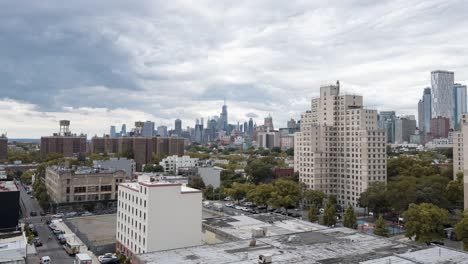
point(443, 104)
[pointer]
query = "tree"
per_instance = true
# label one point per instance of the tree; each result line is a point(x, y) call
point(196, 182)
point(349, 219)
point(26, 177)
point(375, 198)
point(239, 191)
point(425, 221)
point(454, 190)
point(286, 194)
point(276, 150)
point(381, 228)
point(290, 151)
point(153, 168)
point(260, 171)
point(461, 230)
point(329, 216)
point(314, 197)
point(313, 213)
point(261, 194)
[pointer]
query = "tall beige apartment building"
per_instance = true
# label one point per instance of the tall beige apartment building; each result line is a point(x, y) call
point(340, 149)
point(460, 155)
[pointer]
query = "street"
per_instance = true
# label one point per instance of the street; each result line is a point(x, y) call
point(52, 247)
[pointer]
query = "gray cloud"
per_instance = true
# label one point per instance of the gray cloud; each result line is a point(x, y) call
point(166, 60)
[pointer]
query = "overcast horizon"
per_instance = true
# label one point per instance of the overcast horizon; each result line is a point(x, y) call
point(114, 62)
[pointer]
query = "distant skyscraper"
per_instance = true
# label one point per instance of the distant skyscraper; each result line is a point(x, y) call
point(148, 129)
point(178, 127)
point(268, 123)
point(460, 103)
point(162, 131)
point(251, 127)
point(405, 126)
point(292, 123)
point(440, 127)
point(386, 121)
point(112, 131)
point(123, 131)
point(223, 118)
point(443, 104)
point(246, 128)
point(424, 111)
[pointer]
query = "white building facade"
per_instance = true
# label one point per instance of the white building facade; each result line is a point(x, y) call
point(340, 149)
point(173, 163)
point(154, 215)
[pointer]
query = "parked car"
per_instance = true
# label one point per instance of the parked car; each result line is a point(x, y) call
point(37, 242)
point(228, 198)
point(45, 260)
point(238, 207)
point(33, 213)
point(71, 214)
point(108, 258)
point(59, 215)
point(42, 213)
point(229, 204)
point(52, 226)
point(61, 238)
point(321, 210)
point(86, 213)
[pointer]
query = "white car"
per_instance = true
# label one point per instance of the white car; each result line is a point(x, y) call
point(227, 199)
point(45, 260)
point(229, 205)
point(87, 214)
point(59, 215)
point(238, 207)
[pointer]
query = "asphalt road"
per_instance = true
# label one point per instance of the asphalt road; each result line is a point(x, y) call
point(51, 248)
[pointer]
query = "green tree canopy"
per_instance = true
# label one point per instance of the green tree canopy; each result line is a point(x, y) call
point(196, 182)
point(261, 194)
point(314, 197)
point(329, 215)
point(286, 194)
point(349, 219)
point(312, 213)
point(380, 228)
point(239, 191)
point(425, 221)
point(461, 230)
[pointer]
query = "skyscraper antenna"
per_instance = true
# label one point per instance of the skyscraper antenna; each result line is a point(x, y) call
point(224, 100)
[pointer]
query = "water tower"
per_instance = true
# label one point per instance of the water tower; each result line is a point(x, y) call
point(64, 127)
point(139, 127)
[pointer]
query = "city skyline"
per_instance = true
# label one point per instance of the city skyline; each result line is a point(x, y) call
point(59, 65)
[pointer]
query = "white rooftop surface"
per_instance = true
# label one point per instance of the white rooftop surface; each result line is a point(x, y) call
point(242, 228)
point(135, 185)
point(13, 248)
point(296, 241)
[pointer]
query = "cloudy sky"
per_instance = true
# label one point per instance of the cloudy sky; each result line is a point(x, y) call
point(100, 63)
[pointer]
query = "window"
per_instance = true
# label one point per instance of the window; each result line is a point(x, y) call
point(106, 188)
point(80, 189)
point(68, 189)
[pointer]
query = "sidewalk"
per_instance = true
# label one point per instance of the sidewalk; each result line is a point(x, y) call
point(83, 248)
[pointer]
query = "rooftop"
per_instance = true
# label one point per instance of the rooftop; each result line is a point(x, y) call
point(81, 170)
point(149, 180)
point(290, 240)
point(8, 186)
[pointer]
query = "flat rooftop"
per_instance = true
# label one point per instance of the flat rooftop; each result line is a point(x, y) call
point(290, 240)
point(8, 186)
point(81, 170)
point(241, 226)
point(160, 182)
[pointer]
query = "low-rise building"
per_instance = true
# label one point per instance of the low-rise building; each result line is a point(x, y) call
point(82, 184)
point(154, 215)
point(13, 248)
point(211, 175)
point(173, 163)
point(10, 196)
point(273, 238)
